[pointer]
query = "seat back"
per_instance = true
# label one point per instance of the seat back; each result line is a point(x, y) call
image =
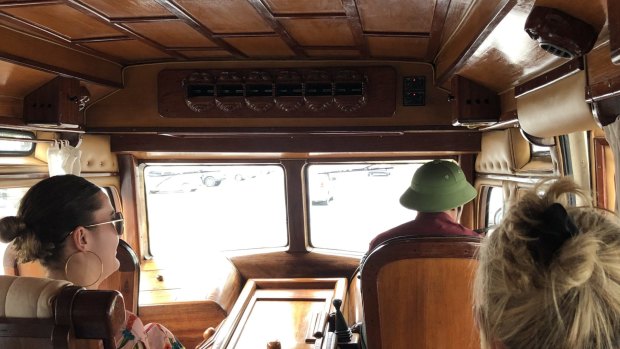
point(53, 314)
point(126, 279)
point(417, 293)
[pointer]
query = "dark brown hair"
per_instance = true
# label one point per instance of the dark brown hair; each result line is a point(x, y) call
point(48, 212)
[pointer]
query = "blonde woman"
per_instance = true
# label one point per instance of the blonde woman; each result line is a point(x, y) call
point(549, 276)
point(69, 226)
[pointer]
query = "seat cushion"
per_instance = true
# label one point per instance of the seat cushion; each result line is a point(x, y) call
point(28, 297)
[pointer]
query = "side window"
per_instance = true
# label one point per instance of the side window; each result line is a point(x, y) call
point(494, 207)
point(202, 208)
point(9, 203)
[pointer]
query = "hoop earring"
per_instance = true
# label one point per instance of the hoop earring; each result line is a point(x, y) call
point(85, 255)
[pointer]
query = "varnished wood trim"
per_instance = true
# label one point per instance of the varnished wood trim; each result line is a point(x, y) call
point(55, 37)
point(58, 59)
point(603, 90)
point(439, 20)
point(485, 29)
point(245, 35)
point(297, 232)
point(351, 48)
point(613, 14)
point(102, 18)
point(264, 12)
point(424, 35)
point(270, 131)
point(19, 3)
point(550, 77)
point(127, 165)
point(600, 170)
point(102, 39)
point(196, 48)
point(143, 19)
point(355, 22)
point(465, 142)
point(326, 15)
point(192, 22)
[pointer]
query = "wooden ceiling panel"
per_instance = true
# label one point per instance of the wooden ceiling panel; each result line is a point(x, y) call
point(396, 15)
point(261, 47)
point(128, 50)
point(64, 20)
point(289, 7)
point(397, 47)
point(171, 34)
point(205, 54)
point(320, 32)
point(227, 16)
point(128, 8)
point(333, 53)
point(17, 81)
point(456, 13)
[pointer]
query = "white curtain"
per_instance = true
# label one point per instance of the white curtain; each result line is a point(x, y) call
point(63, 159)
point(612, 134)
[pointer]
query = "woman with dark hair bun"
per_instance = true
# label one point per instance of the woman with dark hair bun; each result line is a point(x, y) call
point(549, 275)
point(69, 225)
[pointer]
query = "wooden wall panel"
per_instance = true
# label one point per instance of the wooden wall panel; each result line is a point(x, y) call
point(17, 81)
point(327, 52)
point(232, 16)
point(206, 54)
point(64, 20)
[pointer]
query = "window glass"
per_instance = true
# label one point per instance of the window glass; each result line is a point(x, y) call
point(201, 208)
point(9, 203)
point(9, 147)
point(352, 203)
point(495, 207)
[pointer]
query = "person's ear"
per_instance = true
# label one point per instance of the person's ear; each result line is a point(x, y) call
point(79, 238)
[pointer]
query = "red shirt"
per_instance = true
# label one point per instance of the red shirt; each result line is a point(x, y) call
point(424, 224)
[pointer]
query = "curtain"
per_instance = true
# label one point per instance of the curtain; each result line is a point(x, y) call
point(612, 134)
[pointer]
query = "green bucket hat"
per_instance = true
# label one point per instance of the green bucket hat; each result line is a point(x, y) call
point(438, 186)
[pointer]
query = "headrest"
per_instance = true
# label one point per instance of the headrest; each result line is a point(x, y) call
point(556, 109)
point(502, 152)
point(27, 297)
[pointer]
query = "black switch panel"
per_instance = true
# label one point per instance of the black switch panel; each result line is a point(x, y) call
point(414, 91)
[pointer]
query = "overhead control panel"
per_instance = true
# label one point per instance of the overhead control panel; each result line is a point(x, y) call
point(265, 93)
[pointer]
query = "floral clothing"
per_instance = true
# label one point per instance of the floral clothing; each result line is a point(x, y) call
point(135, 335)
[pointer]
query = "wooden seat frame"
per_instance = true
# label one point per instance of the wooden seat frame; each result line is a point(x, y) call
point(393, 250)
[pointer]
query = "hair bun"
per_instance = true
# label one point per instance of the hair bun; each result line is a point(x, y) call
point(11, 227)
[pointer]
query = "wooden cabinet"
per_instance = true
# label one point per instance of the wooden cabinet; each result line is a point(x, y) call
point(291, 311)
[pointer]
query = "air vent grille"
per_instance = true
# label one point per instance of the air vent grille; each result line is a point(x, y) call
point(556, 50)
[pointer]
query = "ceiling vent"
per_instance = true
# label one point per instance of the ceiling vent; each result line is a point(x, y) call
point(559, 33)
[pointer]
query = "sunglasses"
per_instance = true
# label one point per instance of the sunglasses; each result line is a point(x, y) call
point(117, 220)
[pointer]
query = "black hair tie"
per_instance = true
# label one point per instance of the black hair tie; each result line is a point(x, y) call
point(556, 228)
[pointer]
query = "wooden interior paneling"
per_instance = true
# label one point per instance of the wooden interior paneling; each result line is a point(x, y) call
point(17, 81)
point(128, 50)
point(613, 12)
point(396, 16)
point(51, 57)
point(171, 34)
point(600, 68)
point(266, 46)
point(320, 32)
point(327, 52)
point(383, 46)
point(11, 107)
point(64, 20)
point(128, 8)
point(456, 13)
point(283, 7)
point(206, 54)
point(232, 16)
